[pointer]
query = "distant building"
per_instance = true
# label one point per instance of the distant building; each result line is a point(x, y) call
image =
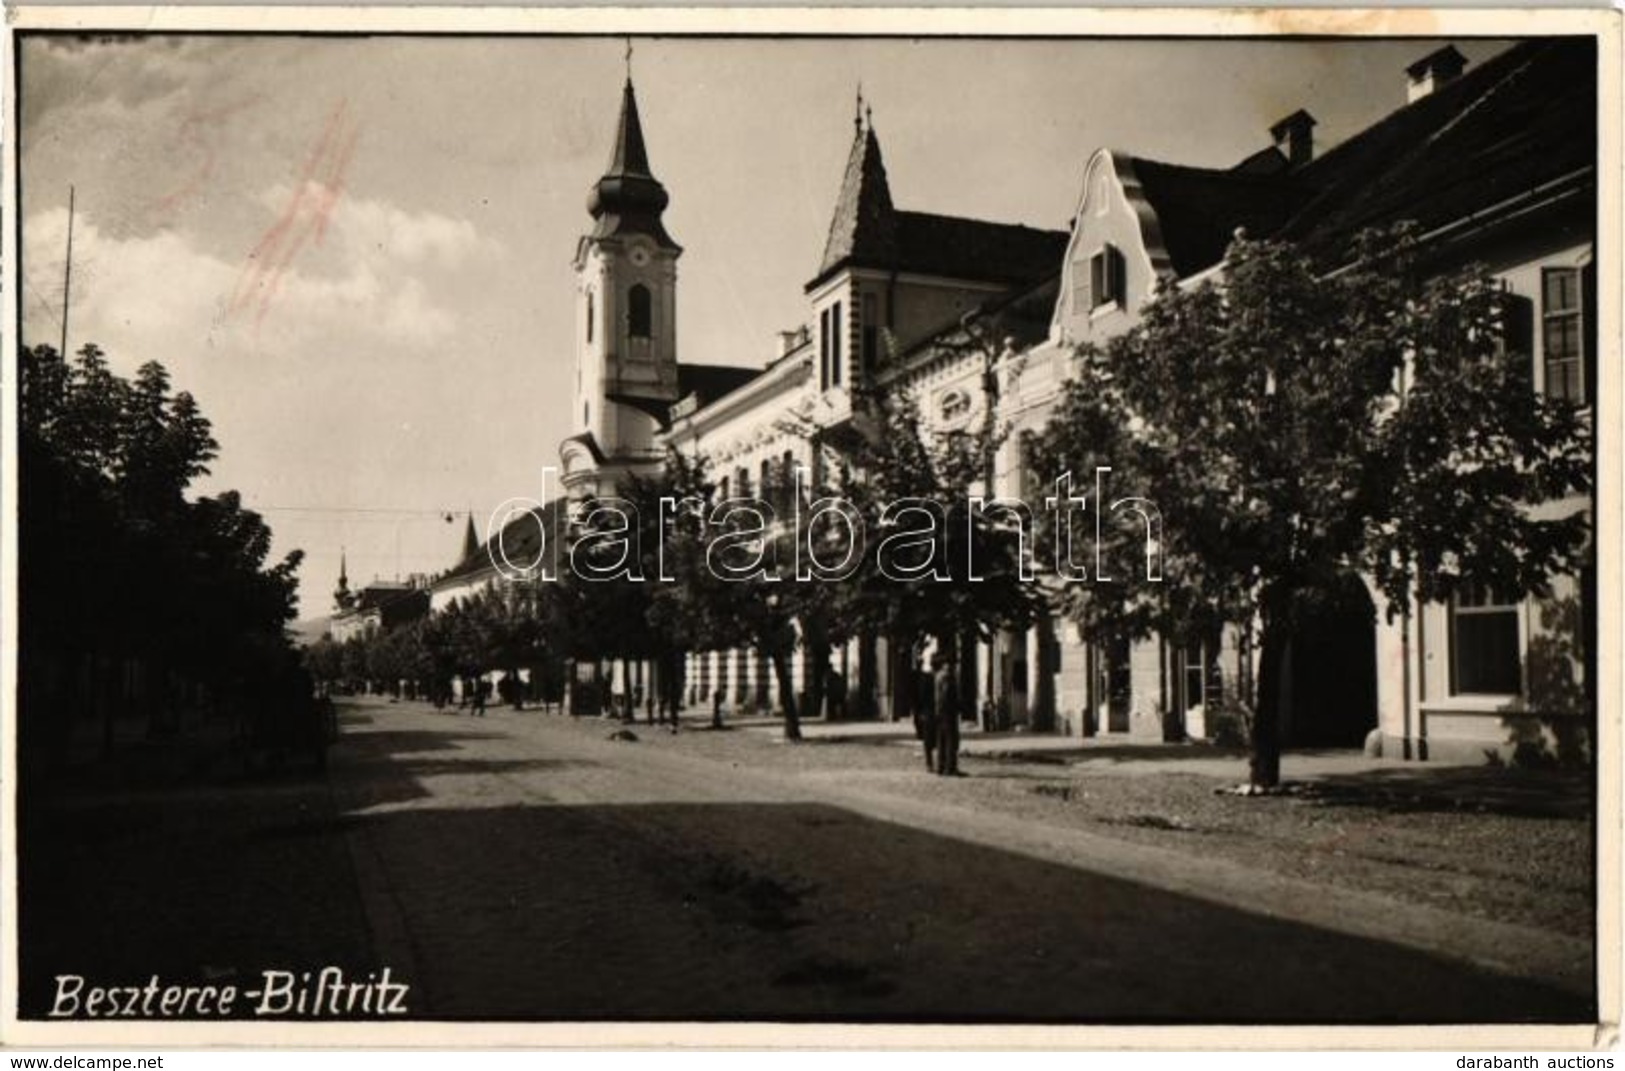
point(380, 606)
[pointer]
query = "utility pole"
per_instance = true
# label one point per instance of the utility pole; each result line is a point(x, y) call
point(67, 277)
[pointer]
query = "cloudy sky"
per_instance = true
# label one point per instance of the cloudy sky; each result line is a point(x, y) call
point(356, 251)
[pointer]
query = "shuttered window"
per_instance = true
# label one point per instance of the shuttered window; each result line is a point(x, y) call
point(1562, 349)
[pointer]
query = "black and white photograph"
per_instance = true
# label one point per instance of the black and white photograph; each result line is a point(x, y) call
point(628, 519)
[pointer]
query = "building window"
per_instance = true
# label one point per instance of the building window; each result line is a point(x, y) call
point(590, 311)
point(1107, 284)
point(823, 350)
point(639, 312)
point(1562, 352)
point(871, 334)
point(1484, 655)
point(953, 405)
point(1195, 679)
point(835, 344)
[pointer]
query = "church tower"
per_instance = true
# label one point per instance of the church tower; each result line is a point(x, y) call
point(342, 597)
point(626, 319)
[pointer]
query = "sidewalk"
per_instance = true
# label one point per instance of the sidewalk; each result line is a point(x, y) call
point(1098, 754)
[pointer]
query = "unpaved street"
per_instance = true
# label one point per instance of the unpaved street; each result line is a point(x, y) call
point(525, 866)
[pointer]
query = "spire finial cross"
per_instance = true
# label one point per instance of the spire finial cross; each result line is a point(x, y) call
point(629, 57)
point(857, 111)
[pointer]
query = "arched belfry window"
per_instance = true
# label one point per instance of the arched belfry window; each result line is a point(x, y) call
point(639, 312)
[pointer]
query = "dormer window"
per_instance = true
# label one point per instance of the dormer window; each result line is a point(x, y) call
point(1099, 280)
point(639, 312)
point(1107, 283)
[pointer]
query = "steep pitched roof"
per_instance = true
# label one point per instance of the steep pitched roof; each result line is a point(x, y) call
point(628, 199)
point(868, 230)
point(863, 227)
point(630, 156)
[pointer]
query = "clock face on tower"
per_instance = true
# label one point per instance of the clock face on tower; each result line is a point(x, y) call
point(639, 257)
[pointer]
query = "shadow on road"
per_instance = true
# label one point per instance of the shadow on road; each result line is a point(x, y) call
point(518, 911)
point(1477, 789)
point(805, 912)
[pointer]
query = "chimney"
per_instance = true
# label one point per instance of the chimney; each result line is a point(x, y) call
point(1294, 137)
point(1432, 72)
point(791, 340)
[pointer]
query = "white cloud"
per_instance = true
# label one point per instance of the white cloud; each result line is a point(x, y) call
point(368, 271)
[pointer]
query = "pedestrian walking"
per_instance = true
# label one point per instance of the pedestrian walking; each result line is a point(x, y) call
point(480, 687)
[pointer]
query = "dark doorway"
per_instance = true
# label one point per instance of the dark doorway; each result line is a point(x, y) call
point(1112, 683)
point(1333, 675)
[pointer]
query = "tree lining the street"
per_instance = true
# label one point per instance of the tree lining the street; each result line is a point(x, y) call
point(1297, 426)
point(129, 592)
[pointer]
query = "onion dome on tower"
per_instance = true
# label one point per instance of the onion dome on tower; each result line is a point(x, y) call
point(629, 199)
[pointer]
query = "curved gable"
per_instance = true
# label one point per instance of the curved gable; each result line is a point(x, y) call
point(1115, 255)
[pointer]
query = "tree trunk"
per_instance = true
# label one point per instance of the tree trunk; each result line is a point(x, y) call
point(900, 650)
point(1264, 766)
point(868, 684)
point(627, 712)
point(787, 694)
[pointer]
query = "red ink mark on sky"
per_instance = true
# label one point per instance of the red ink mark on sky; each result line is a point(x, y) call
point(198, 137)
point(303, 220)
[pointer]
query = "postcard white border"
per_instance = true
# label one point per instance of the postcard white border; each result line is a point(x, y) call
point(1605, 24)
